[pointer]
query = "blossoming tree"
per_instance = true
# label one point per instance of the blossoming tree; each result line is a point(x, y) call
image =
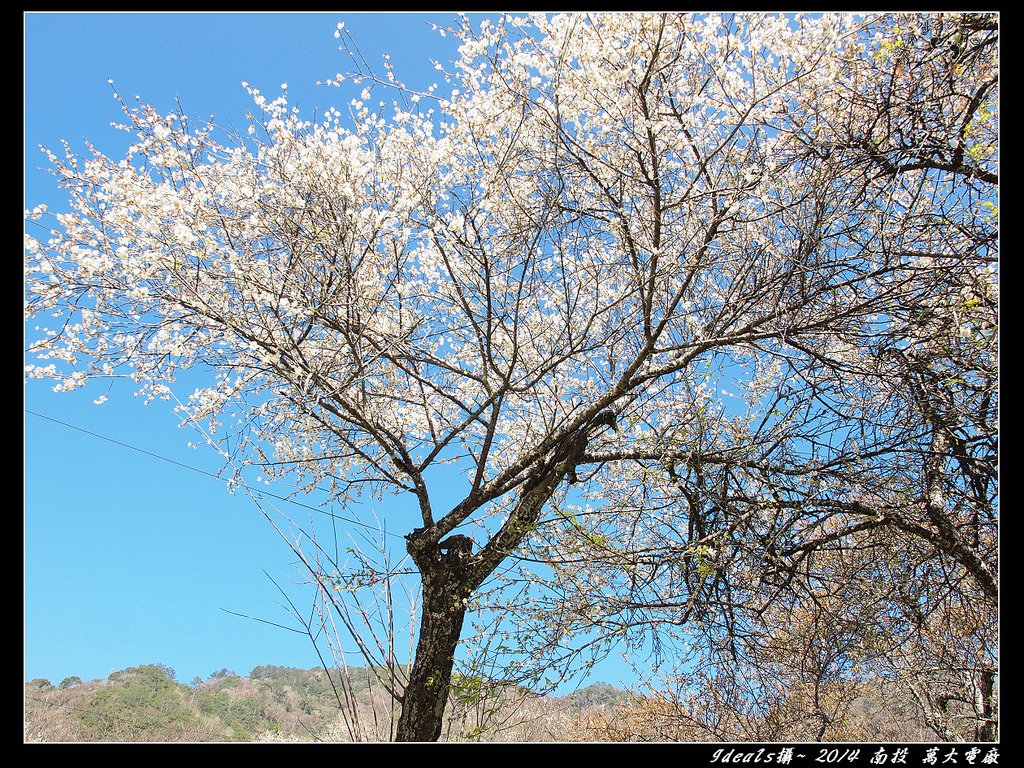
point(546, 276)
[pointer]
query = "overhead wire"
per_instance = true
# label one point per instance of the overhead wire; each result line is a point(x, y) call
point(207, 473)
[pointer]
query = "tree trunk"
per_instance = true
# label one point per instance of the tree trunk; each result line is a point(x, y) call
point(987, 729)
point(450, 572)
point(446, 587)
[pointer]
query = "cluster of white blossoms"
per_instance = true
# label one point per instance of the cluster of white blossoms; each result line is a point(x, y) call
point(599, 200)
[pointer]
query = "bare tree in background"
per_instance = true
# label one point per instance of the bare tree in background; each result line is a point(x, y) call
point(858, 489)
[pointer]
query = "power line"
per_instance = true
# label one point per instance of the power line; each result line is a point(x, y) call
point(213, 475)
point(123, 444)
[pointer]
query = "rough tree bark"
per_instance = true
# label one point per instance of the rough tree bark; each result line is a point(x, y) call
point(988, 725)
point(450, 572)
point(445, 576)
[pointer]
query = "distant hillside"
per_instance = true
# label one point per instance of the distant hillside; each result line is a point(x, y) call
point(147, 703)
point(273, 703)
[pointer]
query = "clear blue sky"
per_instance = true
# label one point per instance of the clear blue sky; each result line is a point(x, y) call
point(130, 559)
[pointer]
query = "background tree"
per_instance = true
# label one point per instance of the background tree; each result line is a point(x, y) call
point(549, 279)
point(866, 470)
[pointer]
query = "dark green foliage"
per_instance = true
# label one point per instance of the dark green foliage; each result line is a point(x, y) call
point(597, 695)
point(145, 703)
point(309, 681)
point(243, 716)
point(273, 672)
point(137, 701)
point(168, 672)
point(70, 682)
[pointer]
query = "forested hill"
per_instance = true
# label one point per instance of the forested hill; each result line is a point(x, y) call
point(274, 703)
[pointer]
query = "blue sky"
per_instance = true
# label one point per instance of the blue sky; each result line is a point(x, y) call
point(130, 559)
